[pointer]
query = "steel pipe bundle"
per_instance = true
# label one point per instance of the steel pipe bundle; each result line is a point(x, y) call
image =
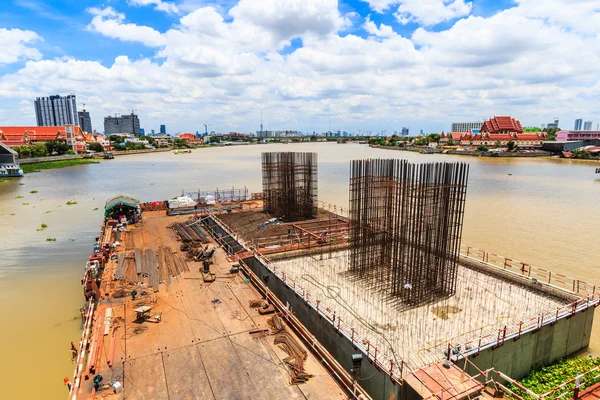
point(406, 225)
point(290, 185)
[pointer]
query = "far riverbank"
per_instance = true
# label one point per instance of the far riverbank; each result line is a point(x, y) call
point(465, 152)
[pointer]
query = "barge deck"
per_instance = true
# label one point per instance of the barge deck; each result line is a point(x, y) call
point(198, 340)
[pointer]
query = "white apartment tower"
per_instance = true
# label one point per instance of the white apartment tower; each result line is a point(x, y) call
point(465, 126)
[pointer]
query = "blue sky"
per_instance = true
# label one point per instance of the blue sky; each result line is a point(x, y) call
point(368, 65)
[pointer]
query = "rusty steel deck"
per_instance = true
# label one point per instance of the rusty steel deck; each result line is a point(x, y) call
point(205, 345)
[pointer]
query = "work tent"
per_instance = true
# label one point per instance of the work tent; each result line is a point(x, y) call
point(122, 204)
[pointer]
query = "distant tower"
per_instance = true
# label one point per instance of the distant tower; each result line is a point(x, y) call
point(578, 123)
point(85, 122)
point(56, 110)
point(587, 126)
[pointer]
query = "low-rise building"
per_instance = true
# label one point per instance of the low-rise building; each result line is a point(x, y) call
point(564, 136)
point(463, 126)
point(497, 132)
point(14, 136)
point(190, 138)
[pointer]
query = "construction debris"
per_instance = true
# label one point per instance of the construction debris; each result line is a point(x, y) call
point(296, 353)
point(256, 303)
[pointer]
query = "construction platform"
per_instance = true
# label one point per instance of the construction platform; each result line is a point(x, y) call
point(186, 338)
point(505, 314)
point(418, 335)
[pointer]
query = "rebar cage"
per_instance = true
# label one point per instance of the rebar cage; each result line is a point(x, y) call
point(406, 225)
point(290, 185)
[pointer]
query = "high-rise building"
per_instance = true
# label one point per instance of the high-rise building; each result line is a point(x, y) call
point(578, 123)
point(56, 110)
point(163, 130)
point(587, 126)
point(552, 125)
point(142, 131)
point(466, 126)
point(128, 124)
point(85, 122)
point(404, 131)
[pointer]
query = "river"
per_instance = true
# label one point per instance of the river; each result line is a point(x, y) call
point(542, 211)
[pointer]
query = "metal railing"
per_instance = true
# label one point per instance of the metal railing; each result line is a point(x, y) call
point(535, 274)
point(397, 369)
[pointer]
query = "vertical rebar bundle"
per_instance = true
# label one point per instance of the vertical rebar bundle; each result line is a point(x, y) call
point(290, 185)
point(406, 225)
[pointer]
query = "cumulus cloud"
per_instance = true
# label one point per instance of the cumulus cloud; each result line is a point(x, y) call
point(286, 19)
point(384, 31)
point(109, 22)
point(158, 5)
point(16, 45)
point(431, 12)
point(222, 65)
point(381, 5)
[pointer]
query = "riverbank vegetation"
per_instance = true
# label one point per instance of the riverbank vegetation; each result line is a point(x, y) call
point(44, 149)
point(547, 378)
point(37, 167)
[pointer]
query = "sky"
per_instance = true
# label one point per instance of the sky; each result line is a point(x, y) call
point(311, 65)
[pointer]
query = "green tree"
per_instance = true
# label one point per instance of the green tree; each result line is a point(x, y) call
point(482, 148)
point(433, 137)
point(551, 133)
point(451, 141)
point(214, 139)
point(421, 141)
point(581, 153)
point(511, 145)
point(180, 143)
point(55, 147)
point(39, 150)
point(23, 151)
point(95, 146)
point(134, 146)
point(116, 139)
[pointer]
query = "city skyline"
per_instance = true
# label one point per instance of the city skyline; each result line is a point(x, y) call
point(354, 65)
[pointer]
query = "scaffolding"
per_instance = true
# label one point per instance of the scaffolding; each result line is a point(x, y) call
point(406, 225)
point(290, 185)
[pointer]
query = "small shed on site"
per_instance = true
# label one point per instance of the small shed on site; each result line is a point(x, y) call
point(122, 205)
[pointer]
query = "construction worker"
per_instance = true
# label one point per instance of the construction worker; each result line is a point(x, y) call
point(73, 351)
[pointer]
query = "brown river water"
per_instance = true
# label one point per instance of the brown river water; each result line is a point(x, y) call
point(542, 211)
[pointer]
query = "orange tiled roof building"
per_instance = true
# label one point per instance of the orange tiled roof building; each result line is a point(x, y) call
point(14, 136)
point(497, 131)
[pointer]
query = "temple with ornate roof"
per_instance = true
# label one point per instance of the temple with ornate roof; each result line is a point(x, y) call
point(14, 136)
point(496, 132)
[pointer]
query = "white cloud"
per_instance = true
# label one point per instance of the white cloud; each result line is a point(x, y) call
point(15, 45)
point(158, 5)
point(109, 23)
point(222, 66)
point(286, 19)
point(381, 5)
point(579, 15)
point(431, 12)
point(384, 31)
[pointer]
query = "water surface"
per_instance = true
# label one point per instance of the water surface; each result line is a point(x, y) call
point(542, 211)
